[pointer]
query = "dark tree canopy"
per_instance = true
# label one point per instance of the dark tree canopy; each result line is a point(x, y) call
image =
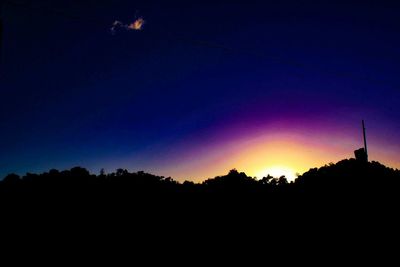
point(324, 204)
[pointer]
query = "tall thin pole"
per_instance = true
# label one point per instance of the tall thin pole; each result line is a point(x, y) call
point(365, 140)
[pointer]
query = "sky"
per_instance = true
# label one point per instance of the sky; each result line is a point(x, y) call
point(197, 88)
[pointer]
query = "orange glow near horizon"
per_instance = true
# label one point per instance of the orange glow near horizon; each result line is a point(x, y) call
point(276, 151)
point(276, 155)
point(278, 171)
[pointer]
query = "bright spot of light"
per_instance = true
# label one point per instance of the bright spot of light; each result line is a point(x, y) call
point(277, 171)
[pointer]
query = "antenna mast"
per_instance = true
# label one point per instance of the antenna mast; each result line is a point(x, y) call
point(365, 140)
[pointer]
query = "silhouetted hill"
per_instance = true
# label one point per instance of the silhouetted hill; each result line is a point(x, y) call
point(348, 179)
point(350, 200)
point(349, 173)
point(351, 178)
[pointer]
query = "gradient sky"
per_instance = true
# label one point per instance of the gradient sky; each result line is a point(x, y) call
point(203, 88)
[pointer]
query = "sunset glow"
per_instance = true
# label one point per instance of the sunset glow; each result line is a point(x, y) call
point(278, 171)
point(264, 88)
point(286, 151)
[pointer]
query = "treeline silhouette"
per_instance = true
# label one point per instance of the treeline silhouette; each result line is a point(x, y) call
point(352, 202)
point(346, 180)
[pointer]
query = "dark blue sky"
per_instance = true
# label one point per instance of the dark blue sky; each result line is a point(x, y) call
point(72, 93)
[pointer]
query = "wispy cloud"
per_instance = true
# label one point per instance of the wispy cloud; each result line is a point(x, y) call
point(137, 25)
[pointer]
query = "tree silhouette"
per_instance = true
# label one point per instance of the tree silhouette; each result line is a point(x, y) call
point(342, 184)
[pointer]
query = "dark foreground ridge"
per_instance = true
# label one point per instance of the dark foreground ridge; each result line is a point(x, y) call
point(352, 202)
point(347, 181)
